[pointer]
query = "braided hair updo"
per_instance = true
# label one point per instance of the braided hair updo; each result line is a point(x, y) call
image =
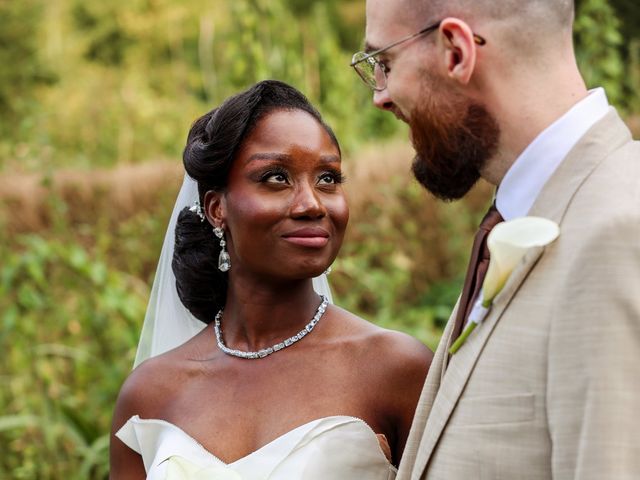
point(212, 144)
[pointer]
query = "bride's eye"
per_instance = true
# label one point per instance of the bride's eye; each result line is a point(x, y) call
point(331, 178)
point(278, 176)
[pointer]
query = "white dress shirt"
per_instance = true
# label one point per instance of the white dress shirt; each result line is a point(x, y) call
point(524, 180)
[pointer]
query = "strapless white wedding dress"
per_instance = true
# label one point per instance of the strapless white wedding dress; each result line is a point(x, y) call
point(338, 447)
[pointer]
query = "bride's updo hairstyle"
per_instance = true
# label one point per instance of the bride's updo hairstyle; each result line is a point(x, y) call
point(212, 144)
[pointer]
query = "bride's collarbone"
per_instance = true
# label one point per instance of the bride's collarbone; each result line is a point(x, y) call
point(270, 384)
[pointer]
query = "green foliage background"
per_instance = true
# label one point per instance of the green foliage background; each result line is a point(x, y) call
point(92, 85)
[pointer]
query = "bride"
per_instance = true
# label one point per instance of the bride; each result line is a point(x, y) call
point(280, 384)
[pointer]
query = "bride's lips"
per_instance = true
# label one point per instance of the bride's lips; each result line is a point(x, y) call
point(308, 237)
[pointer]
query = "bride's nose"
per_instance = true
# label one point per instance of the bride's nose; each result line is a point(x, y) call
point(306, 203)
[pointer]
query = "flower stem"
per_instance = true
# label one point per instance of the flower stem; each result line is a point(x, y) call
point(462, 338)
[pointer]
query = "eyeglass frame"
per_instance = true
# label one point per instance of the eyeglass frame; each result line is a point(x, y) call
point(476, 38)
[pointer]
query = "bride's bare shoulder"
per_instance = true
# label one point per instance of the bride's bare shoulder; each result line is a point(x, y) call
point(391, 363)
point(394, 348)
point(151, 386)
point(143, 388)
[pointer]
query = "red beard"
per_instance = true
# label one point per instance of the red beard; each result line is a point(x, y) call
point(453, 138)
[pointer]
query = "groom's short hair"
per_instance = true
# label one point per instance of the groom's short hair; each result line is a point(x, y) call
point(532, 24)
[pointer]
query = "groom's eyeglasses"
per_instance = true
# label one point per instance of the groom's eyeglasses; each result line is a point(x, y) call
point(373, 72)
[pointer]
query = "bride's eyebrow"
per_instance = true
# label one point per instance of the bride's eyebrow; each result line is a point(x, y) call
point(283, 157)
point(330, 159)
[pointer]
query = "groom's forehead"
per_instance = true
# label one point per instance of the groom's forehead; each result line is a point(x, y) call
point(387, 20)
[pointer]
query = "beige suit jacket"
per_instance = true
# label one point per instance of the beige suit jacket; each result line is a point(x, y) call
point(548, 386)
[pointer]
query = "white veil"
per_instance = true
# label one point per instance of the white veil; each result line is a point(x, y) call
point(167, 322)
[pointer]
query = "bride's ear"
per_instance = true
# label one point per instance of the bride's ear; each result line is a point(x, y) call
point(215, 208)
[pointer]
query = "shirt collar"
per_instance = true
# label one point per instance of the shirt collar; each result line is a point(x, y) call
point(525, 179)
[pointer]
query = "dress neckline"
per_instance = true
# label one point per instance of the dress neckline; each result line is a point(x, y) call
point(296, 430)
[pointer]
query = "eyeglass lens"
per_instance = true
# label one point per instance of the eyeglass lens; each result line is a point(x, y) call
point(372, 73)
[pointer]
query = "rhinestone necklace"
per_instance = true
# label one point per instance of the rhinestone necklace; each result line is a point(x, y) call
point(278, 346)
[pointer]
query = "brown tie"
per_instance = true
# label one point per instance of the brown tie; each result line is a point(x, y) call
point(478, 266)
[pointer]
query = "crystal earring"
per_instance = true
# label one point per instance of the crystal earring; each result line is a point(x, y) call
point(224, 261)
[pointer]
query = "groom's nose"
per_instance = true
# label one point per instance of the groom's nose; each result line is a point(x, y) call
point(382, 100)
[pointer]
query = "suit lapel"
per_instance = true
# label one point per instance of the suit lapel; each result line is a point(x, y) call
point(431, 386)
point(447, 339)
point(448, 381)
point(462, 363)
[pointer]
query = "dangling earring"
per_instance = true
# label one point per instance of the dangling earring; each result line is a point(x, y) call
point(328, 270)
point(224, 261)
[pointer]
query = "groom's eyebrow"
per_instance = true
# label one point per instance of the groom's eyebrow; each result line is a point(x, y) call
point(368, 48)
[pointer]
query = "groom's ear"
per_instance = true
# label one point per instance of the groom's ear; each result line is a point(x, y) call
point(459, 49)
point(215, 208)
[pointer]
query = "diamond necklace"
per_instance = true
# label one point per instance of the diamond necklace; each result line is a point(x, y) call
point(278, 346)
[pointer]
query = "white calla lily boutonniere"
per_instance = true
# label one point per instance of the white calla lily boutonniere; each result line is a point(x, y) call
point(508, 243)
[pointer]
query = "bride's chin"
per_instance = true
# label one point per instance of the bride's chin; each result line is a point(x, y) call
point(316, 272)
point(310, 272)
point(309, 266)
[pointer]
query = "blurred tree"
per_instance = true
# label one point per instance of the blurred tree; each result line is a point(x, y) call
point(22, 67)
point(347, 18)
point(107, 37)
point(306, 52)
point(629, 13)
point(598, 48)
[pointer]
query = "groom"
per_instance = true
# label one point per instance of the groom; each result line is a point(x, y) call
point(548, 385)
